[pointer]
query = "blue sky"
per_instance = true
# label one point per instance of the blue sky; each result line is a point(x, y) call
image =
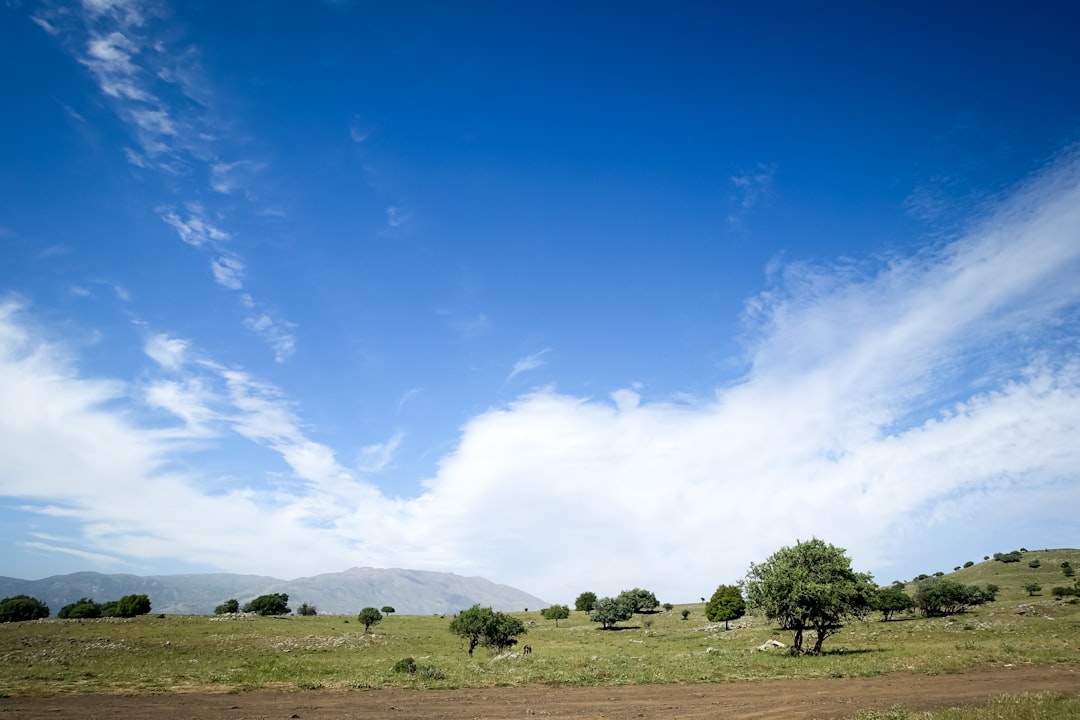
point(567, 296)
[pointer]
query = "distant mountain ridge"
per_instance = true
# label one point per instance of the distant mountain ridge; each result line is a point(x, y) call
point(410, 592)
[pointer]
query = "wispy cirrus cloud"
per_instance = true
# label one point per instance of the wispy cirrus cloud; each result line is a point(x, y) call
point(749, 189)
point(156, 88)
point(529, 362)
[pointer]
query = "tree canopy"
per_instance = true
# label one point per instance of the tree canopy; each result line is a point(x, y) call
point(891, 600)
point(725, 604)
point(231, 605)
point(132, 605)
point(585, 601)
point(809, 586)
point(943, 596)
point(272, 604)
point(608, 611)
point(22, 607)
point(556, 613)
point(369, 616)
point(484, 626)
point(640, 601)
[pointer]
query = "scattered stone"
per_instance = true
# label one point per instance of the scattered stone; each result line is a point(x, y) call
point(769, 644)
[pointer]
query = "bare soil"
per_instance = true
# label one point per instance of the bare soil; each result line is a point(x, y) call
point(788, 699)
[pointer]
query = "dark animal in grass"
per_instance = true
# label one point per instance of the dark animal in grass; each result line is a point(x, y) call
point(526, 650)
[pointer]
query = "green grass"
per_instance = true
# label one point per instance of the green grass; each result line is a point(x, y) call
point(1037, 706)
point(148, 654)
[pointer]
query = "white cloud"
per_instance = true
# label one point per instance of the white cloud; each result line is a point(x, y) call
point(278, 333)
point(169, 353)
point(228, 271)
point(527, 363)
point(195, 230)
point(881, 406)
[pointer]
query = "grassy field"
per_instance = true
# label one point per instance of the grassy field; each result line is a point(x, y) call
point(151, 654)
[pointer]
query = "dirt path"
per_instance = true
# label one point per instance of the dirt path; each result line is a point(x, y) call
point(788, 699)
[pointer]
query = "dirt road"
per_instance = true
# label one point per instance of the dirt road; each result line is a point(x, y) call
point(788, 699)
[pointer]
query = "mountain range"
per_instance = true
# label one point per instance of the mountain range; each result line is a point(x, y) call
point(410, 592)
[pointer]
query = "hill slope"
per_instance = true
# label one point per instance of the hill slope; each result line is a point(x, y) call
point(413, 592)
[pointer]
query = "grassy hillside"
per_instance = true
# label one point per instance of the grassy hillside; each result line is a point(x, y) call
point(177, 652)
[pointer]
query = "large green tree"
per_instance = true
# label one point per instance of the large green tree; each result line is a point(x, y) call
point(22, 607)
point(726, 604)
point(484, 626)
point(232, 605)
point(809, 587)
point(608, 611)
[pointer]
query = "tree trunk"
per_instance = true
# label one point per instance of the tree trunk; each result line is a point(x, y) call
point(796, 642)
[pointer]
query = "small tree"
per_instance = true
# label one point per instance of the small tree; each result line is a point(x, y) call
point(369, 616)
point(231, 605)
point(388, 610)
point(668, 607)
point(725, 604)
point(685, 613)
point(1032, 588)
point(19, 608)
point(891, 600)
point(132, 605)
point(969, 563)
point(1068, 571)
point(809, 586)
point(585, 601)
point(556, 613)
point(640, 601)
point(608, 611)
point(306, 610)
point(942, 596)
point(484, 626)
point(272, 604)
point(81, 608)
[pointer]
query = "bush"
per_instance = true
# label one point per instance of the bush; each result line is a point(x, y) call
point(132, 605)
point(1068, 572)
point(80, 609)
point(227, 607)
point(1009, 557)
point(273, 604)
point(1034, 563)
point(404, 665)
point(668, 607)
point(685, 614)
point(306, 610)
point(1063, 592)
point(1032, 588)
point(22, 607)
point(942, 596)
point(969, 563)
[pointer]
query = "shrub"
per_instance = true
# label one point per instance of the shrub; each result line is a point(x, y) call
point(22, 607)
point(1009, 557)
point(306, 610)
point(1032, 588)
point(942, 596)
point(272, 604)
point(1069, 572)
point(227, 607)
point(1034, 563)
point(82, 608)
point(969, 563)
point(1062, 592)
point(132, 605)
point(668, 607)
point(685, 614)
point(404, 665)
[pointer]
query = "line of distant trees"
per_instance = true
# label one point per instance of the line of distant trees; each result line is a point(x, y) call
point(20, 608)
